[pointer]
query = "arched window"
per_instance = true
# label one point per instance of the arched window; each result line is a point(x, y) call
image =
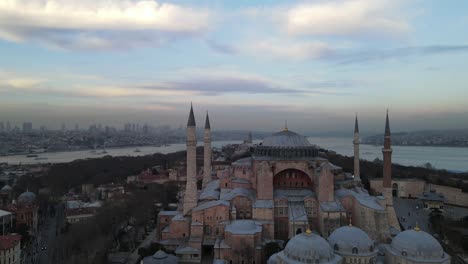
point(355, 250)
point(336, 247)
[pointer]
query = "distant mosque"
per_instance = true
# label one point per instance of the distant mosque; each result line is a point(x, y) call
point(282, 192)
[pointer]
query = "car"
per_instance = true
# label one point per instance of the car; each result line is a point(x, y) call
point(44, 248)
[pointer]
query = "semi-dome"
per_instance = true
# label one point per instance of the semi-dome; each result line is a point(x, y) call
point(5, 189)
point(286, 138)
point(26, 197)
point(160, 257)
point(417, 244)
point(351, 240)
point(306, 248)
point(243, 227)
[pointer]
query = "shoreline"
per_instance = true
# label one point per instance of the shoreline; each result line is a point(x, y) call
point(435, 146)
point(85, 149)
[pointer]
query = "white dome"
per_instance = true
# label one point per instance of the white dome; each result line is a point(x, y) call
point(309, 248)
point(26, 197)
point(286, 138)
point(351, 240)
point(417, 244)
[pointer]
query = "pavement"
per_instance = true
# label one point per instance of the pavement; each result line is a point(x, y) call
point(133, 258)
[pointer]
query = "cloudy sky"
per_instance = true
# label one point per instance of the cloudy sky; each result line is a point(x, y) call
point(251, 64)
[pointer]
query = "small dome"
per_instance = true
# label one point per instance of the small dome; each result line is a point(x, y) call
point(417, 244)
point(286, 138)
point(6, 188)
point(309, 248)
point(26, 197)
point(351, 240)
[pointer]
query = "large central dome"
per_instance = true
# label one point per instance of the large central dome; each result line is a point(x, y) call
point(286, 138)
point(285, 145)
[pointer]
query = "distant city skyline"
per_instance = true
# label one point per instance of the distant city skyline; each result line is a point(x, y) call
point(251, 64)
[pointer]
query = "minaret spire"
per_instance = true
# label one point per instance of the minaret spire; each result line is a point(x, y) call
point(357, 173)
point(285, 125)
point(387, 126)
point(207, 152)
point(191, 120)
point(207, 121)
point(356, 126)
point(191, 192)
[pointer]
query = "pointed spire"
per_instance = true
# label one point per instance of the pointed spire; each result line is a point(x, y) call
point(387, 126)
point(207, 121)
point(356, 126)
point(191, 120)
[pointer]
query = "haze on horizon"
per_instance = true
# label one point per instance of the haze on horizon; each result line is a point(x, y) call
point(251, 64)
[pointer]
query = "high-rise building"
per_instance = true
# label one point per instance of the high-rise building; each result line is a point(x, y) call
point(27, 127)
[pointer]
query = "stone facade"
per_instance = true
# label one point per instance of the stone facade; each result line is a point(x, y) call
point(282, 190)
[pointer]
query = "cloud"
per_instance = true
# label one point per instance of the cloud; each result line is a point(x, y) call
point(290, 50)
point(217, 85)
point(383, 55)
point(220, 47)
point(98, 23)
point(344, 17)
point(21, 83)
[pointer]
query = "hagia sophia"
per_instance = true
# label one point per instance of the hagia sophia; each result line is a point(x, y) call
point(288, 193)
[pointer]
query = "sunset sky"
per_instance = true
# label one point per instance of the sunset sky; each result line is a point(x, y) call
point(251, 64)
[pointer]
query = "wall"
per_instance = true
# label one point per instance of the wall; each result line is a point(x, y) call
point(453, 195)
point(415, 187)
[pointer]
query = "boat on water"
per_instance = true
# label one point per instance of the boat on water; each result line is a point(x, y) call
point(137, 150)
point(31, 155)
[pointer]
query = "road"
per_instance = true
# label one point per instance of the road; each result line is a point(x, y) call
point(41, 249)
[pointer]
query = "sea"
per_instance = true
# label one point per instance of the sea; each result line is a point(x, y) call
point(448, 158)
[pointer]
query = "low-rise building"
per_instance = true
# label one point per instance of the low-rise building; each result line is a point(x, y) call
point(432, 200)
point(10, 249)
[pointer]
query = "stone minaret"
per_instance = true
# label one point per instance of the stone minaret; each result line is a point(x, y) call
point(357, 174)
point(190, 196)
point(387, 177)
point(207, 153)
point(387, 158)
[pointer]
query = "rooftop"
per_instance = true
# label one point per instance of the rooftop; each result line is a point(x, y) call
point(243, 227)
point(9, 241)
point(362, 197)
